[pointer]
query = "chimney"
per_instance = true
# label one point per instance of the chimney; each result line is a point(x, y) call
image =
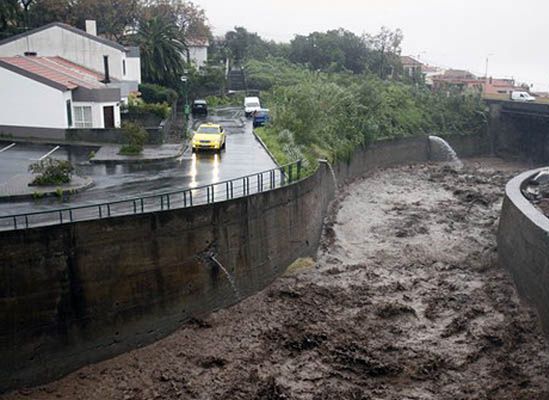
point(106, 68)
point(91, 27)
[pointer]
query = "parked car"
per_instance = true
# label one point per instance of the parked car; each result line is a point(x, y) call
point(261, 117)
point(251, 104)
point(522, 96)
point(209, 137)
point(200, 107)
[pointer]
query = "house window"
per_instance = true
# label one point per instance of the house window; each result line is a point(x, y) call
point(124, 67)
point(69, 113)
point(83, 117)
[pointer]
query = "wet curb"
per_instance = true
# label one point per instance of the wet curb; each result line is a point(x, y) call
point(85, 183)
point(140, 159)
point(265, 147)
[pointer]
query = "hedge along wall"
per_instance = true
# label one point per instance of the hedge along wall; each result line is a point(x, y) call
point(78, 293)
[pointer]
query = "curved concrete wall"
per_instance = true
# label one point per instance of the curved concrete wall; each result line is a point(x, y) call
point(523, 246)
point(78, 293)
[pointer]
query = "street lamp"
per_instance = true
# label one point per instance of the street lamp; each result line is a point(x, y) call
point(185, 80)
point(26, 4)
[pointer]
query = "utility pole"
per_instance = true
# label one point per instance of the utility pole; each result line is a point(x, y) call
point(486, 72)
point(186, 109)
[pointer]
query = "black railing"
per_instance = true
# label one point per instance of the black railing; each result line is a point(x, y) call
point(212, 193)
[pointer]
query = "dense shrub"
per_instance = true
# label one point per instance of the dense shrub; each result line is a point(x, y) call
point(162, 110)
point(330, 114)
point(135, 137)
point(236, 100)
point(51, 172)
point(264, 75)
point(151, 93)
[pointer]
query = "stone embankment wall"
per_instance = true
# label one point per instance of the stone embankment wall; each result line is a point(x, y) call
point(77, 293)
point(523, 246)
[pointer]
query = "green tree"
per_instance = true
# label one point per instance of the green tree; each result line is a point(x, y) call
point(43, 12)
point(334, 50)
point(242, 45)
point(190, 19)
point(10, 17)
point(386, 44)
point(113, 17)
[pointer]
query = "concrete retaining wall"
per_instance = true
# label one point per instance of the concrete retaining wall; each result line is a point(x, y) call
point(78, 293)
point(523, 246)
point(515, 135)
point(469, 145)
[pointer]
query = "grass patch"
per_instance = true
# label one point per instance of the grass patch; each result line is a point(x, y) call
point(236, 100)
point(284, 149)
point(270, 138)
point(130, 150)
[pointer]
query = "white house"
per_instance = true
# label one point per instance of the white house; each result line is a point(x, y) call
point(198, 51)
point(81, 47)
point(44, 96)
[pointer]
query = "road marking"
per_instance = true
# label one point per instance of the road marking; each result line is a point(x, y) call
point(47, 154)
point(7, 147)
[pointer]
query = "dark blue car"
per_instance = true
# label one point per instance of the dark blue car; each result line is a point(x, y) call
point(261, 117)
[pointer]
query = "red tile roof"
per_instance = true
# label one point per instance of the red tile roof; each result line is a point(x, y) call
point(55, 71)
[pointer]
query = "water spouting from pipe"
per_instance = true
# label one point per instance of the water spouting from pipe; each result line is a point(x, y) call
point(331, 170)
point(449, 153)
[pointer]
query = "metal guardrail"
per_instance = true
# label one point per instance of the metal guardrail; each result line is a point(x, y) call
point(208, 194)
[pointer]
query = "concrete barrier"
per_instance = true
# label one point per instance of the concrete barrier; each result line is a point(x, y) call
point(523, 246)
point(78, 293)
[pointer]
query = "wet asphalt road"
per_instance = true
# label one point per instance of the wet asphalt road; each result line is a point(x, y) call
point(243, 156)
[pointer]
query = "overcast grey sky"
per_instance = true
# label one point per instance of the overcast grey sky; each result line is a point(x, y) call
point(457, 33)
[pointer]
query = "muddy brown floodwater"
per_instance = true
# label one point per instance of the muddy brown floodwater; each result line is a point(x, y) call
point(405, 301)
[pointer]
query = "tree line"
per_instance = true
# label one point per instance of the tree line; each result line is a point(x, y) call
point(336, 50)
point(116, 18)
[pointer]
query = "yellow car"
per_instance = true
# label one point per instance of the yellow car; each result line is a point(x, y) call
point(209, 137)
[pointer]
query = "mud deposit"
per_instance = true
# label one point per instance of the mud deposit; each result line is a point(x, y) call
point(406, 301)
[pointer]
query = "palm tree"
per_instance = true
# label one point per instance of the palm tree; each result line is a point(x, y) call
point(162, 51)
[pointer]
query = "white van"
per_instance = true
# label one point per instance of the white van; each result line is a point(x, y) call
point(251, 105)
point(522, 96)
